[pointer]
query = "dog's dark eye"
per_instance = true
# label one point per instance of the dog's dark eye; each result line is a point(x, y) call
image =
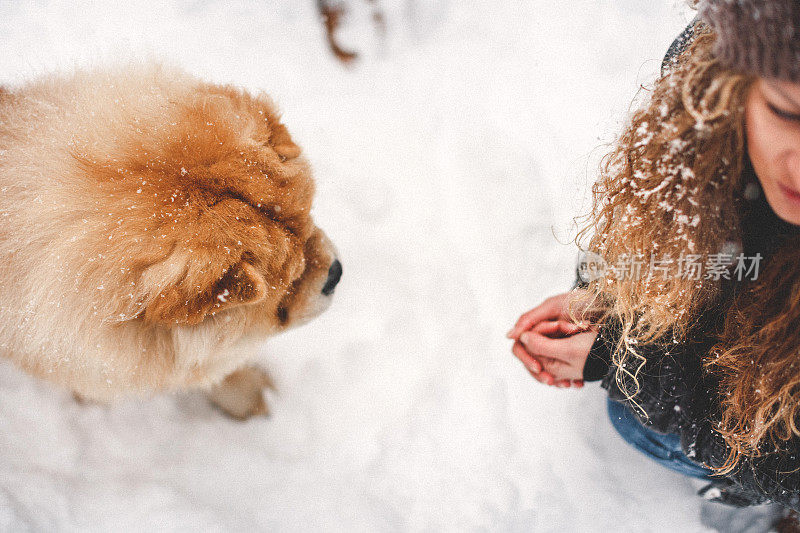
point(283, 315)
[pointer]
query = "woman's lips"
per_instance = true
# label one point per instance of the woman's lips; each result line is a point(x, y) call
point(791, 194)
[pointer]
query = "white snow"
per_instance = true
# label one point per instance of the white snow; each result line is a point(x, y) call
point(450, 161)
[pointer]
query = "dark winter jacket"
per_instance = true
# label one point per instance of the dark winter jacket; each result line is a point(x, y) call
point(680, 397)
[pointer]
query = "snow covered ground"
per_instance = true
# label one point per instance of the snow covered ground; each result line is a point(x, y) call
point(450, 161)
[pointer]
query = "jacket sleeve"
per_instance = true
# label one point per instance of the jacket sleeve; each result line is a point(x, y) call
point(680, 397)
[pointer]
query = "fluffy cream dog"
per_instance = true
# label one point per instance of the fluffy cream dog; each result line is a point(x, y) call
point(153, 230)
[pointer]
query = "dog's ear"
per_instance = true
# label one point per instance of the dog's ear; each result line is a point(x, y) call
point(186, 296)
point(282, 142)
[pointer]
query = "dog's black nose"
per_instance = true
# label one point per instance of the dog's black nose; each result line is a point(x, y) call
point(334, 275)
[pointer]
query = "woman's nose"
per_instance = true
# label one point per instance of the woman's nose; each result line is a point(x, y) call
point(334, 275)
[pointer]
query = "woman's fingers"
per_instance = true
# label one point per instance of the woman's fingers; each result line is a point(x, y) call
point(557, 356)
point(542, 345)
point(543, 377)
point(567, 383)
point(547, 310)
point(525, 358)
point(545, 369)
point(558, 328)
point(532, 364)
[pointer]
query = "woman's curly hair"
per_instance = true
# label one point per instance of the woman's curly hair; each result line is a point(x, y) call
point(672, 187)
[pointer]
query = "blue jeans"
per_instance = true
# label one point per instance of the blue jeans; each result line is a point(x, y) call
point(663, 449)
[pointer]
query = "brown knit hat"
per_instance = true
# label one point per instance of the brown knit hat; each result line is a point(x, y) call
point(761, 37)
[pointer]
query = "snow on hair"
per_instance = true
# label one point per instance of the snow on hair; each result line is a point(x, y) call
point(681, 154)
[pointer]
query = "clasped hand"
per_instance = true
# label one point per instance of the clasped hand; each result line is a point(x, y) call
point(553, 348)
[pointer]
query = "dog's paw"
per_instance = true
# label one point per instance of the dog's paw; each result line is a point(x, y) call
point(241, 394)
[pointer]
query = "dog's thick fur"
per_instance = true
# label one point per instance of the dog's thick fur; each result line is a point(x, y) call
point(153, 229)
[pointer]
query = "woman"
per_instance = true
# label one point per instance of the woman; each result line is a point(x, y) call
point(693, 326)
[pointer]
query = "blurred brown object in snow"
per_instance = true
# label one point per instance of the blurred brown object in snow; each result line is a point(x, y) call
point(332, 12)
